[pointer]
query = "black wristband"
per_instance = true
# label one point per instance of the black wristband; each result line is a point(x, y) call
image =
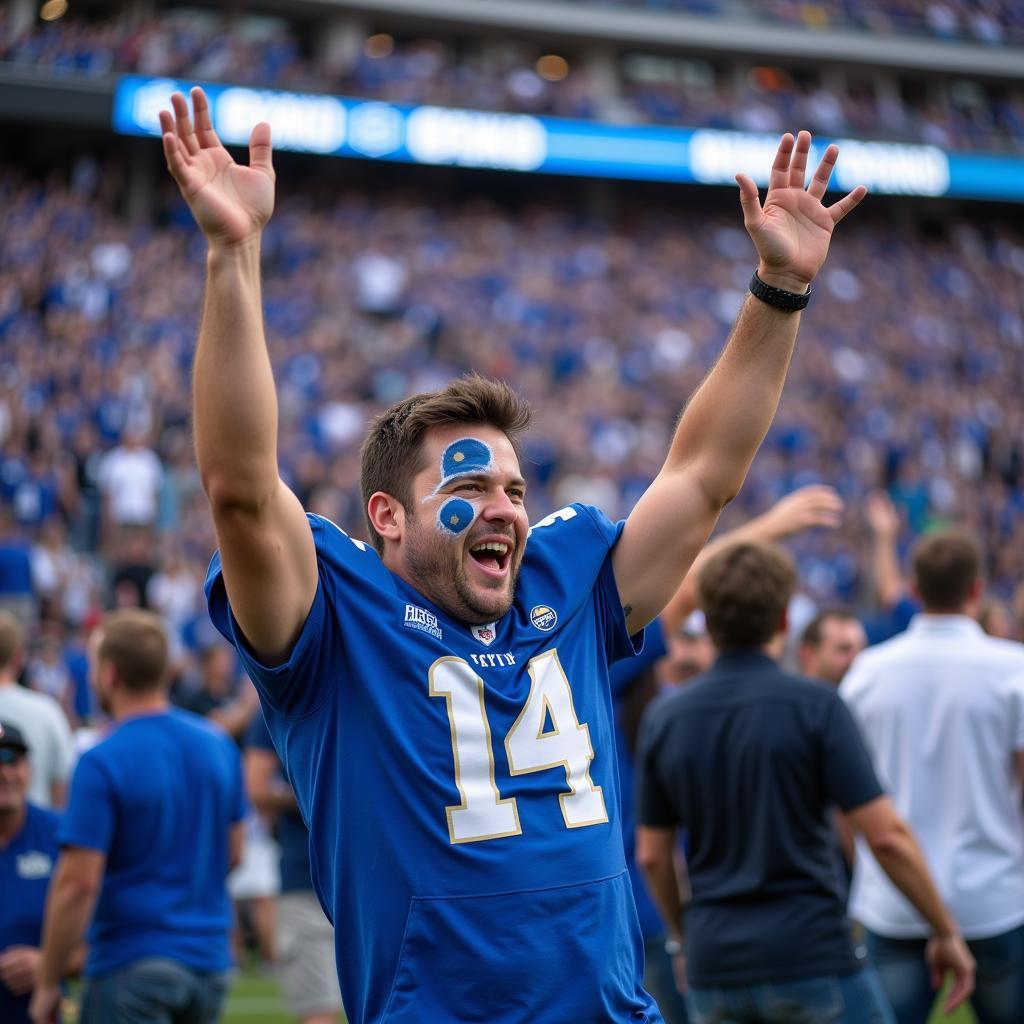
point(788, 302)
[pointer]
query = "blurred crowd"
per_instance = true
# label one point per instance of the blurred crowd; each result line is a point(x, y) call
point(520, 76)
point(906, 378)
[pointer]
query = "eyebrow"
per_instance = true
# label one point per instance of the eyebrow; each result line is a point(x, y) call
point(475, 475)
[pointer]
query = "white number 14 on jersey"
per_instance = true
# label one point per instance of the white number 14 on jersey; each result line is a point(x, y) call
point(530, 747)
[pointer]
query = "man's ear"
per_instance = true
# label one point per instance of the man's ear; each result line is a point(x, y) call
point(387, 515)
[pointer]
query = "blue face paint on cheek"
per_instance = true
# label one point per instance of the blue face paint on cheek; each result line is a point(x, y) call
point(455, 515)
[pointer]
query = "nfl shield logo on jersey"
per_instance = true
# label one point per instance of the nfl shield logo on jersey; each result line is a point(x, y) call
point(485, 634)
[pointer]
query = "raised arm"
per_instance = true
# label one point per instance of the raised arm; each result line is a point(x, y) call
point(266, 546)
point(729, 415)
point(884, 524)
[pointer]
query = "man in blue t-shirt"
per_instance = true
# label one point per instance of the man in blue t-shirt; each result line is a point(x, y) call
point(750, 761)
point(28, 852)
point(153, 825)
point(439, 697)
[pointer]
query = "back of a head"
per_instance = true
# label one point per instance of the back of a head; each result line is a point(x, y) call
point(134, 641)
point(391, 454)
point(744, 591)
point(12, 640)
point(946, 566)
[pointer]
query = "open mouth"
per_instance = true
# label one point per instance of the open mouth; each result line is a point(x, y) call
point(493, 556)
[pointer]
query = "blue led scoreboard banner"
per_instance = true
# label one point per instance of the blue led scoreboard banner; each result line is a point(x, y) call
point(369, 129)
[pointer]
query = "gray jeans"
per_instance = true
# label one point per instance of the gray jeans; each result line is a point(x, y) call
point(155, 991)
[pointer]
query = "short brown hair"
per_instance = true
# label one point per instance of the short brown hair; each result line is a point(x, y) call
point(392, 451)
point(744, 591)
point(12, 638)
point(135, 643)
point(813, 630)
point(947, 564)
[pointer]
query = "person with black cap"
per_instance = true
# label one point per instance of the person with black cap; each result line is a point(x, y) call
point(28, 852)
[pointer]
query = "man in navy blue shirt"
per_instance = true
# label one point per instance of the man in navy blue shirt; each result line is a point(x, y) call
point(749, 760)
point(28, 852)
point(152, 828)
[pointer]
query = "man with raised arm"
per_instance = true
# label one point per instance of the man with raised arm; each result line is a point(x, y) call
point(440, 696)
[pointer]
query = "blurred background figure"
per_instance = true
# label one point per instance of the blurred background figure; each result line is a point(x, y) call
point(304, 936)
point(749, 759)
point(690, 651)
point(38, 717)
point(942, 708)
point(28, 853)
point(160, 915)
point(829, 643)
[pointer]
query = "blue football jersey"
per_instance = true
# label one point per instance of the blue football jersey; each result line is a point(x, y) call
point(460, 785)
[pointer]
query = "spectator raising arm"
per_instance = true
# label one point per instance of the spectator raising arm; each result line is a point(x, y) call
point(804, 509)
point(729, 415)
point(884, 523)
point(896, 850)
point(265, 542)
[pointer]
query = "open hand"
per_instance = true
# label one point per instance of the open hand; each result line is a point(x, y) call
point(793, 229)
point(805, 508)
point(44, 1004)
point(19, 966)
point(230, 202)
point(950, 953)
point(883, 519)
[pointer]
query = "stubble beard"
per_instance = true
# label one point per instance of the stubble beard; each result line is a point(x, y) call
point(435, 565)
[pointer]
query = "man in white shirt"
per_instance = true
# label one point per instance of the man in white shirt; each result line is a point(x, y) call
point(942, 710)
point(39, 718)
point(130, 478)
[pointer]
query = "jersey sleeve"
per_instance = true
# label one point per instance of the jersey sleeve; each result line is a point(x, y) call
point(91, 816)
point(310, 676)
point(619, 643)
point(569, 553)
point(850, 779)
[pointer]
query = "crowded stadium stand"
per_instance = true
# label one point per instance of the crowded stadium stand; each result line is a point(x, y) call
point(603, 290)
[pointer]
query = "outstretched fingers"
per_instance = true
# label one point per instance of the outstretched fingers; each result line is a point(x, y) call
point(260, 149)
point(204, 126)
point(183, 124)
point(780, 168)
point(798, 165)
point(173, 152)
point(840, 209)
point(819, 183)
point(749, 200)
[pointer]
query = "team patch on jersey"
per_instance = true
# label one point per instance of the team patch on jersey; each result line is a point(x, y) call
point(485, 634)
point(543, 617)
point(34, 864)
point(421, 619)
